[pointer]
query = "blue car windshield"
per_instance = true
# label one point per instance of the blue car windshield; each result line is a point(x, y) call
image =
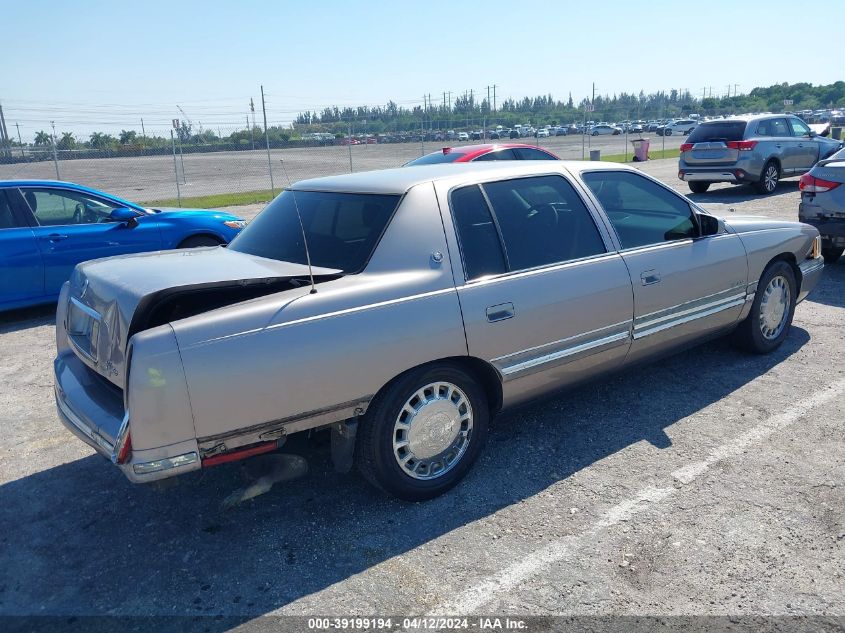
point(342, 229)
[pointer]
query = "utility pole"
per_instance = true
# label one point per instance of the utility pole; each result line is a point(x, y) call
point(143, 135)
point(267, 140)
point(5, 144)
point(252, 129)
point(18, 125)
point(494, 97)
point(55, 153)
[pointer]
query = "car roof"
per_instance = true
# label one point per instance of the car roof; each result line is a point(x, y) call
point(401, 179)
point(67, 185)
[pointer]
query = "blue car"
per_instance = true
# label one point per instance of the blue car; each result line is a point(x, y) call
point(48, 227)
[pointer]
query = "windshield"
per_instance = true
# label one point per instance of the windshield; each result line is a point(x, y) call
point(436, 157)
point(718, 131)
point(342, 228)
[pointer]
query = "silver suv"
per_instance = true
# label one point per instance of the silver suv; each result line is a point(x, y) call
point(757, 150)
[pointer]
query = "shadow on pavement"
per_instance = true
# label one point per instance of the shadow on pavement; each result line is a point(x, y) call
point(26, 318)
point(831, 288)
point(78, 539)
point(735, 194)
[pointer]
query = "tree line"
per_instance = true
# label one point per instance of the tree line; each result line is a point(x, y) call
point(466, 110)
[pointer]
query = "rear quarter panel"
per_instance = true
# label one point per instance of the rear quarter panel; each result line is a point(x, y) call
point(298, 355)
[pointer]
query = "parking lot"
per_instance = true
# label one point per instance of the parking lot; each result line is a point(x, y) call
point(153, 177)
point(709, 483)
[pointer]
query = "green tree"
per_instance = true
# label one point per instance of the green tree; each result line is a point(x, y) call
point(127, 137)
point(42, 138)
point(100, 140)
point(67, 141)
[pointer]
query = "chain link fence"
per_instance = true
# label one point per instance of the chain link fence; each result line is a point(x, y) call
point(226, 167)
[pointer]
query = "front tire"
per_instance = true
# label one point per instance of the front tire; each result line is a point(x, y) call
point(667, 132)
point(832, 254)
point(698, 186)
point(768, 323)
point(422, 434)
point(768, 179)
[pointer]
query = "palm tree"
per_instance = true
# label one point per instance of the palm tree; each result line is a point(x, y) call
point(99, 140)
point(67, 141)
point(42, 138)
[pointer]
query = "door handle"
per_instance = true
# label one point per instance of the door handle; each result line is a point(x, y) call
point(650, 277)
point(56, 237)
point(500, 312)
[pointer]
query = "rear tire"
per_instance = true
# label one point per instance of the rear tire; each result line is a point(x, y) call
point(667, 132)
point(768, 178)
point(698, 186)
point(832, 254)
point(422, 434)
point(768, 323)
point(198, 241)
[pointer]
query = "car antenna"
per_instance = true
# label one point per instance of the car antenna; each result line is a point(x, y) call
point(301, 228)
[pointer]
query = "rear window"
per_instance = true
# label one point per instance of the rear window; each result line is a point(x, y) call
point(342, 228)
point(435, 158)
point(717, 131)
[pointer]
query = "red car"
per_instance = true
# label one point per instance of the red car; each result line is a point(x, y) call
point(487, 151)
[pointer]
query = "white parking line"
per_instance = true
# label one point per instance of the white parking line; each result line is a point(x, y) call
point(516, 574)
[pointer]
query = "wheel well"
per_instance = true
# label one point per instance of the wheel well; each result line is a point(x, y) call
point(486, 375)
point(203, 234)
point(789, 258)
point(776, 161)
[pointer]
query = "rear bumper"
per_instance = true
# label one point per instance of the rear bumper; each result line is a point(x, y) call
point(94, 413)
point(811, 272)
point(721, 175)
point(831, 229)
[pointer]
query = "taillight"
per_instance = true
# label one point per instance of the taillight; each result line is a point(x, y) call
point(685, 147)
point(742, 146)
point(811, 184)
point(125, 450)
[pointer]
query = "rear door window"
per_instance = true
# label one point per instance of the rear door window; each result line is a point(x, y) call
point(478, 236)
point(7, 216)
point(780, 128)
point(542, 221)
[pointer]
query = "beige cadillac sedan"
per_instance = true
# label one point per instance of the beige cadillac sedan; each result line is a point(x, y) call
point(402, 309)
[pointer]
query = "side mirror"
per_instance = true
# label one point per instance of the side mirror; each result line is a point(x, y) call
point(709, 224)
point(124, 214)
point(812, 134)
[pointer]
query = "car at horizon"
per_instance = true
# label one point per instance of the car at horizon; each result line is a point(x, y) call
point(823, 203)
point(604, 128)
point(758, 150)
point(47, 227)
point(483, 152)
point(542, 133)
point(400, 310)
point(678, 126)
point(463, 136)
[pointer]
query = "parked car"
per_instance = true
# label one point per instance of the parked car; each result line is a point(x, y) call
point(823, 203)
point(463, 136)
point(483, 152)
point(562, 131)
point(427, 301)
point(682, 126)
point(47, 227)
point(542, 133)
point(514, 134)
point(604, 128)
point(476, 135)
point(758, 150)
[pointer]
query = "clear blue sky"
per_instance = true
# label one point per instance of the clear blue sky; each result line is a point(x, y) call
point(103, 65)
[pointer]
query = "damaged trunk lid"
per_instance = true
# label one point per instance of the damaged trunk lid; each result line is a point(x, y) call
point(111, 299)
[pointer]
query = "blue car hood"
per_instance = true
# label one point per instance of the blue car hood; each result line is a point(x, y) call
point(191, 214)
